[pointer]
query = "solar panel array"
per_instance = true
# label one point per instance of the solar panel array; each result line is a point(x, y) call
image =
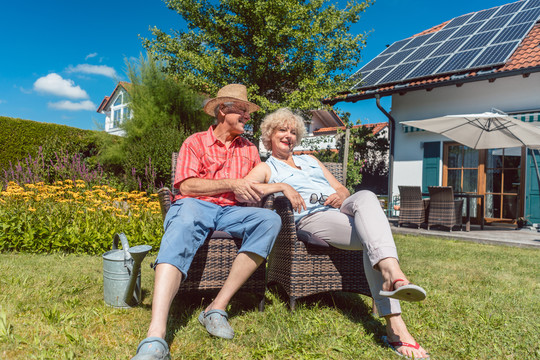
point(478, 40)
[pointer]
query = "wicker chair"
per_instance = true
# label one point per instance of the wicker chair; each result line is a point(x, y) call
point(213, 260)
point(444, 210)
point(412, 208)
point(305, 265)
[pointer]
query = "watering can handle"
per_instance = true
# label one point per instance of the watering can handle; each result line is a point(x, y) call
point(125, 244)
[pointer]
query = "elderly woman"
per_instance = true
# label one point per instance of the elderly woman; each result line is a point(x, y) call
point(325, 208)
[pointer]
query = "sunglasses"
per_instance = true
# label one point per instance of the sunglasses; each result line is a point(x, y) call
point(314, 198)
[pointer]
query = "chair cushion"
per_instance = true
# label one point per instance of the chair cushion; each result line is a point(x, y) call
point(221, 235)
point(308, 238)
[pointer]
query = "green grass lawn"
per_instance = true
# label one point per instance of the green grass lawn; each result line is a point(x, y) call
point(482, 303)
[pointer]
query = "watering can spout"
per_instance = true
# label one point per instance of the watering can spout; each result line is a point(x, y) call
point(138, 253)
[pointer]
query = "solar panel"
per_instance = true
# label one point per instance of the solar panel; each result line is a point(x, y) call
point(448, 47)
point(459, 21)
point(428, 67)
point(509, 8)
point(422, 52)
point(495, 23)
point(526, 16)
point(441, 35)
point(477, 40)
point(373, 64)
point(400, 72)
point(495, 53)
point(459, 60)
point(532, 4)
point(482, 15)
point(512, 33)
point(466, 30)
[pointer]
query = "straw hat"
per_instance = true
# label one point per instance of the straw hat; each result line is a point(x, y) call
point(230, 93)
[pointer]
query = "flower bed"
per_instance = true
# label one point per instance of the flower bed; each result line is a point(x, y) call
point(72, 217)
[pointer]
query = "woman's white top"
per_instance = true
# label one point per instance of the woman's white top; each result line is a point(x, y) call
point(307, 180)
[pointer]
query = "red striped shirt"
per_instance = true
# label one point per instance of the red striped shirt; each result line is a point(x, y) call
point(203, 156)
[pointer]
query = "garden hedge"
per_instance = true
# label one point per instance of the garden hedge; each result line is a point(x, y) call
point(20, 138)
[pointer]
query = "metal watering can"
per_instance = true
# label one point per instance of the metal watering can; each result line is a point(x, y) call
point(122, 273)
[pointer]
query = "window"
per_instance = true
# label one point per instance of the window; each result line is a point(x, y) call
point(119, 100)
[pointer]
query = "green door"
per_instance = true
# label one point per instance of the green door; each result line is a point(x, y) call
point(430, 164)
point(532, 187)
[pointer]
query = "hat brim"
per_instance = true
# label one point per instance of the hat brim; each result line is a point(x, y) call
point(212, 103)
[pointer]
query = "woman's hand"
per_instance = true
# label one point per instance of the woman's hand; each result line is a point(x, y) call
point(294, 197)
point(336, 199)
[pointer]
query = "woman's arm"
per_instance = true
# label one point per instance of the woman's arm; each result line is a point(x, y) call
point(336, 199)
point(260, 175)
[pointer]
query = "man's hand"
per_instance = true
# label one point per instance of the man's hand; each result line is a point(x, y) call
point(246, 191)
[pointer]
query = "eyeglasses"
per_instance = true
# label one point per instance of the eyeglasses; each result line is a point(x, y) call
point(234, 109)
point(314, 198)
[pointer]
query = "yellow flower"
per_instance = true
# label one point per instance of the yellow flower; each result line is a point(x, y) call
point(31, 209)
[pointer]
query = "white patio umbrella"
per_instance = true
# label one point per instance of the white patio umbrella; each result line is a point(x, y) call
point(488, 130)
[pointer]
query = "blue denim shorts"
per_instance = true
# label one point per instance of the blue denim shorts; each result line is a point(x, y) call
point(189, 222)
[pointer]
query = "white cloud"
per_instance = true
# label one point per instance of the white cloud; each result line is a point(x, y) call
point(90, 56)
point(56, 85)
point(93, 69)
point(2, 101)
point(73, 106)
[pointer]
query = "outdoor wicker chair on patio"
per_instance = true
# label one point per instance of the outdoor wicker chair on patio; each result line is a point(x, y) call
point(412, 208)
point(213, 260)
point(304, 265)
point(444, 210)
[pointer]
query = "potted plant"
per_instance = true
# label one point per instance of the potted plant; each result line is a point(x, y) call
point(521, 222)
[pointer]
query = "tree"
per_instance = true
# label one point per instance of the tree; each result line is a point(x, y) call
point(366, 156)
point(287, 52)
point(165, 112)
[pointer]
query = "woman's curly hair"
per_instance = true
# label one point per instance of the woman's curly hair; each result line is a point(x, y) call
point(281, 117)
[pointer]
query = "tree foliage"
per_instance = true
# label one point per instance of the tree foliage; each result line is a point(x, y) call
point(366, 156)
point(288, 53)
point(165, 112)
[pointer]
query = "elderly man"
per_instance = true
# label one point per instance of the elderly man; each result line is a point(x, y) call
point(209, 175)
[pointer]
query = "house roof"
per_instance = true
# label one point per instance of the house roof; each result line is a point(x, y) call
point(376, 128)
point(523, 61)
point(107, 99)
point(328, 118)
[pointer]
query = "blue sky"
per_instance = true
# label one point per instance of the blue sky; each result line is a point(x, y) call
point(60, 58)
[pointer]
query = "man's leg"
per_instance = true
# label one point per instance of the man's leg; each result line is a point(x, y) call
point(242, 268)
point(166, 284)
point(186, 225)
point(258, 228)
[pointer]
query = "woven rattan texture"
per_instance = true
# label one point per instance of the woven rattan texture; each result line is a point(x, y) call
point(412, 209)
point(444, 210)
point(303, 270)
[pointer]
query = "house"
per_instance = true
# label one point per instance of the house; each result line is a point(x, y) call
point(473, 63)
point(115, 108)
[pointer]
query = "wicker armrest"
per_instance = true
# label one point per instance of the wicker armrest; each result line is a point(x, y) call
point(165, 197)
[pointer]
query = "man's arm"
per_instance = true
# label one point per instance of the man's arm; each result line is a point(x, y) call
point(242, 189)
point(260, 174)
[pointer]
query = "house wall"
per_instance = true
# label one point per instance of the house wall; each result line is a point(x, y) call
point(506, 94)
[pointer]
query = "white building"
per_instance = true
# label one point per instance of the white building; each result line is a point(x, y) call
point(474, 63)
point(115, 108)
